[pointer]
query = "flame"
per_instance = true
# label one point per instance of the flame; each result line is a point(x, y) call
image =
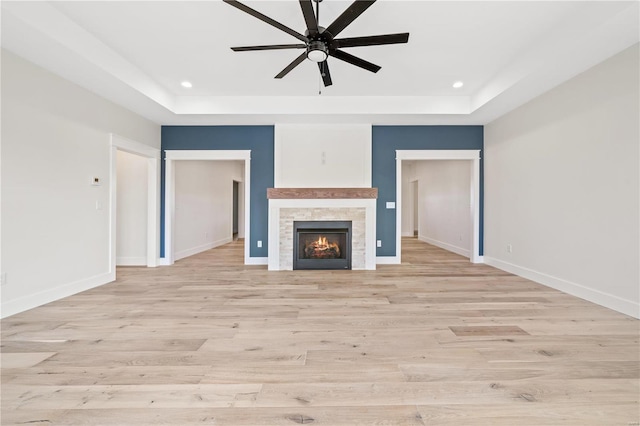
point(322, 245)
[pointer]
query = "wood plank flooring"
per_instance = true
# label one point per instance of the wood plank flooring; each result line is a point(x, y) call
point(434, 341)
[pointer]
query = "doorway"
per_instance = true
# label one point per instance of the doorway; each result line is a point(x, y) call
point(151, 156)
point(244, 190)
point(131, 209)
point(438, 195)
point(204, 201)
point(472, 157)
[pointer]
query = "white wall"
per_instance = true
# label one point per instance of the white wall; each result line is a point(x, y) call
point(131, 204)
point(55, 138)
point(322, 156)
point(444, 204)
point(204, 204)
point(562, 186)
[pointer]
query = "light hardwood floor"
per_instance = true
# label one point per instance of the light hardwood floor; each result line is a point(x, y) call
point(434, 341)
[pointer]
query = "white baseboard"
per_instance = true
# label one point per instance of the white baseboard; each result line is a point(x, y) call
point(31, 301)
point(163, 261)
point(199, 249)
point(408, 234)
point(387, 260)
point(131, 261)
point(449, 247)
point(627, 307)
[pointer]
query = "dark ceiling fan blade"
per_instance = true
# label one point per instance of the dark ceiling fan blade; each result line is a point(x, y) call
point(348, 16)
point(266, 19)
point(297, 61)
point(309, 16)
point(324, 72)
point(372, 40)
point(269, 47)
point(353, 60)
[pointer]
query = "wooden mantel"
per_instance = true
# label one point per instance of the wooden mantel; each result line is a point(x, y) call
point(321, 193)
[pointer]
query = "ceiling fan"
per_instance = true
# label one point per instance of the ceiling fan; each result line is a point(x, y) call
point(319, 42)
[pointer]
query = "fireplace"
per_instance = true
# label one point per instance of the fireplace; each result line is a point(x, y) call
point(355, 205)
point(322, 244)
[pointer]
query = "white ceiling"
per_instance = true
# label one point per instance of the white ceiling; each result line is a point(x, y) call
point(137, 54)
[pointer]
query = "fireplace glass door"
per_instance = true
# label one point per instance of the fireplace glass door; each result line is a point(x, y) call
point(322, 245)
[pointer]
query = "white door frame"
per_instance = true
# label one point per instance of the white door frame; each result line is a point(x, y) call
point(170, 193)
point(152, 155)
point(474, 213)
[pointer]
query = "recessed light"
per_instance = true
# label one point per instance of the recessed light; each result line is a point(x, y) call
point(458, 84)
point(187, 84)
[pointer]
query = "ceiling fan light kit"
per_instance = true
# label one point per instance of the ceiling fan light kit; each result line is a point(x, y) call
point(319, 42)
point(317, 51)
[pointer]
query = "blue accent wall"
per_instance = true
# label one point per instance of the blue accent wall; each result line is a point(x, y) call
point(386, 140)
point(258, 139)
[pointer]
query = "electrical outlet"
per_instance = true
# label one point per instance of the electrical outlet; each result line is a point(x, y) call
point(259, 243)
point(379, 243)
point(509, 248)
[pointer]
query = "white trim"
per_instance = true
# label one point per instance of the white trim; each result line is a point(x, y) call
point(163, 261)
point(387, 260)
point(208, 154)
point(152, 155)
point(257, 261)
point(610, 301)
point(31, 301)
point(446, 246)
point(169, 210)
point(199, 249)
point(131, 261)
point(480, 259)
point(134, 147)
point(113, 192)
point(153, 210)
point(437, 154)
point(170, 193)
point(443, 154)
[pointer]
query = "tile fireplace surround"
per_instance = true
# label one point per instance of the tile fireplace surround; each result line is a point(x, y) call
point(289, 204)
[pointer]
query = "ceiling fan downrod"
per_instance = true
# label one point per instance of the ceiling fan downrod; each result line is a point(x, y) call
point(318, 12)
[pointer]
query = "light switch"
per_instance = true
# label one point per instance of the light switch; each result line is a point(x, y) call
point(391, 204)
